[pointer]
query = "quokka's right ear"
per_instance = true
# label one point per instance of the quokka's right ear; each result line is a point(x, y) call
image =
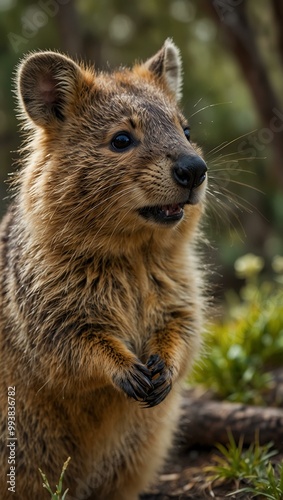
point(47, 85)
point(166, 66)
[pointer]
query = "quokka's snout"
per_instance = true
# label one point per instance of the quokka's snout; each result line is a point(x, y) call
point(189, 171)
point(186, 186)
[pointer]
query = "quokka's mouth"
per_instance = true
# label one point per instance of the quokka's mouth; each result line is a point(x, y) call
point(164, 214)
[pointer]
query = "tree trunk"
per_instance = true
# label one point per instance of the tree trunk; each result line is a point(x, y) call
point(69, 29)
point(278, 19)
point(232, 20)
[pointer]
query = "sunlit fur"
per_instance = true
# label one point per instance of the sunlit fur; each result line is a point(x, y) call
point(88, 287)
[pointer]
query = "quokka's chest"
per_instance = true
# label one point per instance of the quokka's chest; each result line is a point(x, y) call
point(135, 300)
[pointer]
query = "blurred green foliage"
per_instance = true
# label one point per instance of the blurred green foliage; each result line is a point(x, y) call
point(245, 345)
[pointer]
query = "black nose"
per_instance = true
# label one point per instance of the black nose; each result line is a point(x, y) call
point(189, 171)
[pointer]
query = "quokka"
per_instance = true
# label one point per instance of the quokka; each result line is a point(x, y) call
point(101, 288)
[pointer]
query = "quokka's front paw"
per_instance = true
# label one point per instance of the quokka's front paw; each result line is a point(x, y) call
point(161, 379)
point(136, 382)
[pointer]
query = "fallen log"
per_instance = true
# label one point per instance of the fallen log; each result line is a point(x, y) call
point(204, 423)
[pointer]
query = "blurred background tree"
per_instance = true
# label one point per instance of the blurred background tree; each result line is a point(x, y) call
point(232, 53)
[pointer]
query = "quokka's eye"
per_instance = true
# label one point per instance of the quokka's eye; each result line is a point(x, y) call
point(187, 133)
point(121, 141)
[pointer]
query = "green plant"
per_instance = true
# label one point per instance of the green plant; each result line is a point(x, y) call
point(58, 495)
point(238, 464)
point(241, 349)
point(269, 486)
point(251, 466)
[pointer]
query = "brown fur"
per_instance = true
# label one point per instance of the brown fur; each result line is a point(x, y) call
point(90, 289)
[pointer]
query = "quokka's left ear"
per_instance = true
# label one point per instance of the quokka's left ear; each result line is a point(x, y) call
point(48, 85)
point(166, 65)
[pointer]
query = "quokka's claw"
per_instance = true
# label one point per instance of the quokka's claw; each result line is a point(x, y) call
point(161, 381)
point(137, 384)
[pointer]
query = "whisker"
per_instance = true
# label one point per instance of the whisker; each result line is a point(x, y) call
point(210, 106)
point(233, 181)
point(223, 161)
point(236, 203)
point(233, 153)
point(230, 170)
point(198, 102)
point(225, 143)
point(246, 205)
point(221, 155)
point(234, 200)
point(227, 207)
point(214, 207)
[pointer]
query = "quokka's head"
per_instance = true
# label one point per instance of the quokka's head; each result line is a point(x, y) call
point(110, 153)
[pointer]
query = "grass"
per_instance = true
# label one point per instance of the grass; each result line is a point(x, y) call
point(251, 467)
point(58, 495)
point(236, 463)
point(270, 486)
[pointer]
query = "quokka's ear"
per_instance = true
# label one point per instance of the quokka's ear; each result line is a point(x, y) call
point(47, 85)
point(166, 65)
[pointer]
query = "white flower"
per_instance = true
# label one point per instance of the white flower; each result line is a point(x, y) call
point(248, 265)
point(277, 263)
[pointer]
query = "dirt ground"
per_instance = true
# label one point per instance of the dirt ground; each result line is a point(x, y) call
point(184, 478)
